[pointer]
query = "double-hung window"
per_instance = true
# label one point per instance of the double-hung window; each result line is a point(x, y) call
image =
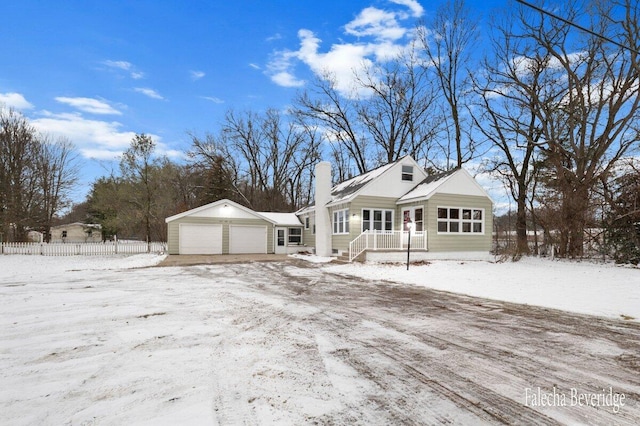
point(341, 221)
point(407, 173)
point(295, 236)
point(377, 219)
point(456, 220)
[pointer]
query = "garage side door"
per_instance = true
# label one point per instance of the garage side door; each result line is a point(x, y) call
point(247, 239)
point(200, 239)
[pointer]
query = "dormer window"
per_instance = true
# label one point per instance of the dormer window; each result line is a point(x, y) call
point(407, 173)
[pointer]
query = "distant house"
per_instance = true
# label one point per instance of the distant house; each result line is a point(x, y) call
point(76, 232)
point(35, 237)
point(367, 217)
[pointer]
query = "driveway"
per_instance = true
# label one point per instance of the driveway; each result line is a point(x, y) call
point(205, 259)
point(395, 354)
point(290, 343)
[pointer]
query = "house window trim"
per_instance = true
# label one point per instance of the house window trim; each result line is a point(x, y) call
point(307, 221)
point(421, 221)
point(371, 210)
point(407, 176)
point(289, 242)
point(340, 227)
point(461, 220)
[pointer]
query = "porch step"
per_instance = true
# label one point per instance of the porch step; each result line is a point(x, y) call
point(344, 258)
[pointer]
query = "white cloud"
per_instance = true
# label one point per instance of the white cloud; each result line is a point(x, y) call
point(196, 75)
point(94, 139)
point(15, 100)
point(380, 37)
point(415, 7)
point(254, 66)
point(213, 99)
point(97, 139)
point(90, 105)
point(125, 66)
point(341, 62)
point(149, 92)
point(376, 23)
point(276, 36)
point(286, 79)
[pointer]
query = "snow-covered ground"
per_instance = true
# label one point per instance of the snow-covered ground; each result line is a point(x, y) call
point(584, 287)
point(107, 340)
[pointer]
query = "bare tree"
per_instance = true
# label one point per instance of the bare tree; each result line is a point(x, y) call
point(57, 170)
point(18, 177)
point(397, 107)
point(448, 41)
point(337, 117)
point(513, 83)
point(214, 170)
point(273, 156)
point(594, 120)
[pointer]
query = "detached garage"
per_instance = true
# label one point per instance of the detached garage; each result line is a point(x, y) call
point(226, 227)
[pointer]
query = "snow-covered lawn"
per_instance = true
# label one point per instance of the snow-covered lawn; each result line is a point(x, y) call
point(109, 340)
point(584, 287)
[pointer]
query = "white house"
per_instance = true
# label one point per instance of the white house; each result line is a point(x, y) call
point(76, 232)
point(374, 216)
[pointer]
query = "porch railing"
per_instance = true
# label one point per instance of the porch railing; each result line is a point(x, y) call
point(385, 240)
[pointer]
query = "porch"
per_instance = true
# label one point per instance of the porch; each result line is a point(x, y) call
point(375, 240)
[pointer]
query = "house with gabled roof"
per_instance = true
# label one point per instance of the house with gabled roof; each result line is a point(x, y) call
point(226, 227)
point(378, 214)
point(375, 216)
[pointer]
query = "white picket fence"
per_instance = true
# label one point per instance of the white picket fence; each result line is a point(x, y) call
point(82, 249)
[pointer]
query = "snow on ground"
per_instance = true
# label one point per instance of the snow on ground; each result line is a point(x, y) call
point(583, 287)
point(105, 340)
point(23, 267)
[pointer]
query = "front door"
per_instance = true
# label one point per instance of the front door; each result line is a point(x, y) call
point(281, 240)
point(415, 216)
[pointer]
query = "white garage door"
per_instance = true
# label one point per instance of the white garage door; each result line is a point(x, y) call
point(200, 239)
point(247, 239)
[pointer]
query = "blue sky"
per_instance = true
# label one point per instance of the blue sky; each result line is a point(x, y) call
point(97, 72)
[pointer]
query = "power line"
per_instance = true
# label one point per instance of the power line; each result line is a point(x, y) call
point(580, 27)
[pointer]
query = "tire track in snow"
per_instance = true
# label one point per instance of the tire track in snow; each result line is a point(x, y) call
point(478, 392)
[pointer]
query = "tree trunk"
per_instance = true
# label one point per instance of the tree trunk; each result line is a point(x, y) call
point(578, 210)
point(522, 243)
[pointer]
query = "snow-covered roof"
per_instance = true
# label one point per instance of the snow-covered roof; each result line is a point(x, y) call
point(345, 190)
point(281, 219)
point(428, 186)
